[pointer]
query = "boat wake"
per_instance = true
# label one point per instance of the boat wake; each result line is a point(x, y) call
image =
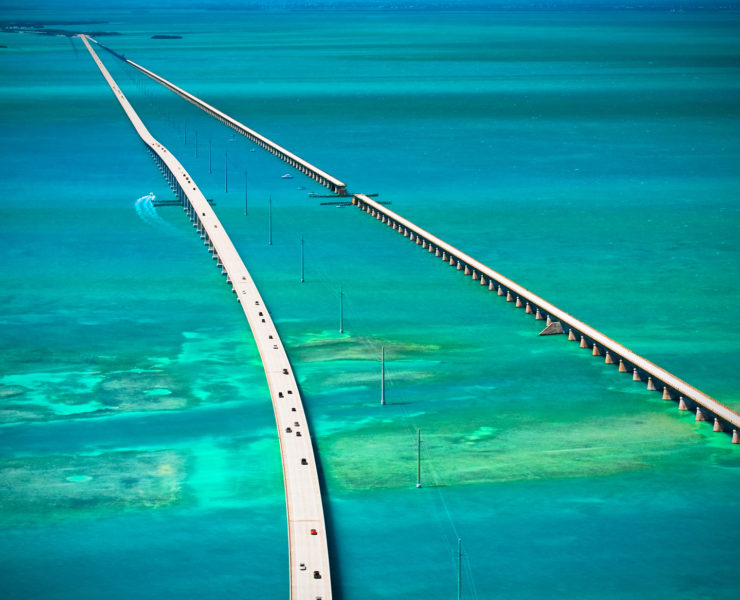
point(148, 213)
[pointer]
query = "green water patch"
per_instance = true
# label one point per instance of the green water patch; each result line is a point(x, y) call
point(461, 450)
point(209, 367)
point(59, 487)
point(330, 346)
point(141, 391)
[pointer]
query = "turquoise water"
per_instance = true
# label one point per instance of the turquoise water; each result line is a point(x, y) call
point(591, 157)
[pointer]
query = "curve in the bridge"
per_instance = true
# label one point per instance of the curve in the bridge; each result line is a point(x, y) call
point(310, 577)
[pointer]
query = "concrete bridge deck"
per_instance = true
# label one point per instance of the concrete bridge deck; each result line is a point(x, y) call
point(310, 577)
point(641, 369)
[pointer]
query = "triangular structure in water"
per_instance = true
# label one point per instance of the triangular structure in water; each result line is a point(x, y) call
point(552, 329)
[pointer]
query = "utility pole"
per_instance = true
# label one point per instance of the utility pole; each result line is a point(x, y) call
point(382, 375)
point(459, 568)
point(341, 311)
point(418, 458)
point(269, 221)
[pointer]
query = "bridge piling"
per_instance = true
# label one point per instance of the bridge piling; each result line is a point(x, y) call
point(641, 369)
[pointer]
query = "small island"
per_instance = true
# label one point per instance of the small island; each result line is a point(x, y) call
point(166, 37)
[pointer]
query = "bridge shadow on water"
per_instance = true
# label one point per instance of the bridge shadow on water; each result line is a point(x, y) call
point(331, 538)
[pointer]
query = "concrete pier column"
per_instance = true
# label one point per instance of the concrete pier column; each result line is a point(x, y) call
point(667, 394)
point(571, 335)
point(483, 280)
point(519, 303)
point(452, 261)
point(608, 360)
point(424, 244)
point(467, 270)
point(735, 437)
point(538, 316)
point(651, 385)
point(682, 404)
point(418, 241)
point(717, 426)
point(459, 266)
point(475, 276)
point(500, 291)
point(491, 287)
point(584, 343)
point(595, 350)
point(437, 252)
point(528, 309)
point(700, 415)
point(622, 367)
point(509, 297)
point(405, 232)
point(444, 256)
point(635, 375)
point(431, 248)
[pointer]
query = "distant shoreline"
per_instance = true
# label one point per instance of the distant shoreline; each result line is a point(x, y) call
point(41, 28)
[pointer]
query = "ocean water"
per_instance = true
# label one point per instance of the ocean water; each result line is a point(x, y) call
point(590, 156)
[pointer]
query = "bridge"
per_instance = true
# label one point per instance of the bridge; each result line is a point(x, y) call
point(310, 577)
point(558, 321)
point(305, 167)
point(688, 397)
